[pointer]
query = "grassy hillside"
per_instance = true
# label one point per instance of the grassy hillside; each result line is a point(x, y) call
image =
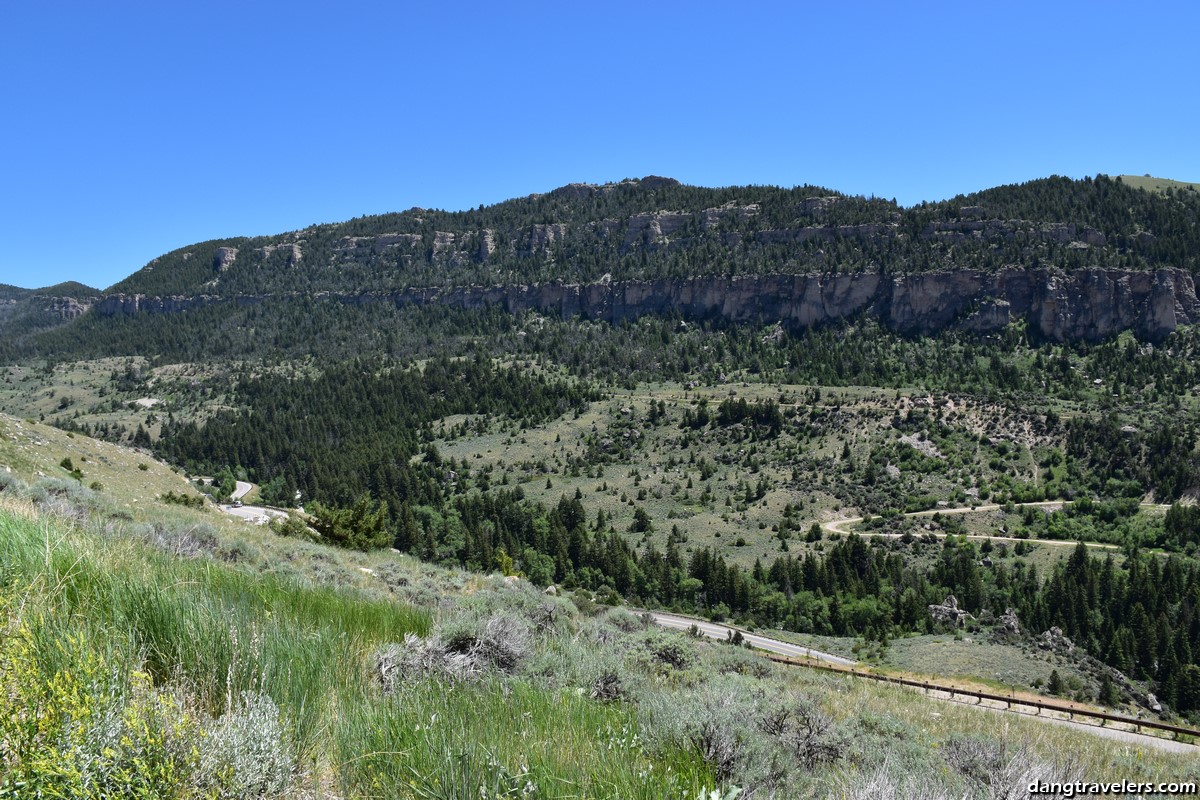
point(153, 676)
point(684, 469)
point(168, 659)
point(1161, 185)
point(29, 448)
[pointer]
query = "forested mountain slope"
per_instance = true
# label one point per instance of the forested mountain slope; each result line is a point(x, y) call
point(28, 311)
point(657, 228)
point(1075, 259)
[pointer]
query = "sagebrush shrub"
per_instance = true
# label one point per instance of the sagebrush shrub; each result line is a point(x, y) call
point(1011, 770)
point(501, 641)
point(246, 752)
point(607, 687)
point(624, 620)
point(669, 649)
point(189, 540)
point(805, 733)
point(883, 783)
point(11, 483)
point(717, 721)
point(463, 648)
point(417, 659)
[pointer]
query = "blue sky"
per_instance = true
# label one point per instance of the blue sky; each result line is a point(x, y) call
point(130, 129)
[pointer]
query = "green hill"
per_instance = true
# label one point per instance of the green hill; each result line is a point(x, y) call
point(170, 657)
point(65, 289)
point(25, 312)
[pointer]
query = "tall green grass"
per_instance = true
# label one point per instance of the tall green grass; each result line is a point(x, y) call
point(214, 628)
point(507, 740)
point(215, 631)
point(113, 636)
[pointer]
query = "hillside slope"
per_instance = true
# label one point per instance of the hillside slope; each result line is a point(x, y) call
point(1163, 185)
point(166, 658)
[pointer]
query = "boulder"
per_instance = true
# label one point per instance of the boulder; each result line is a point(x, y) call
point(949, 612)
point(1055, 641)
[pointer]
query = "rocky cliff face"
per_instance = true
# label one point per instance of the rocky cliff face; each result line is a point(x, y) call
point(1086, 304)
point(223, 258)
point(64, 307)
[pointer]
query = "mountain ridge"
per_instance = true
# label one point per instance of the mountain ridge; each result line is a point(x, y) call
point(656, 227)
point(1076, 259)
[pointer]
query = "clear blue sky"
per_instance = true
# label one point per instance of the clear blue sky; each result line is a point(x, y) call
point(133, 128)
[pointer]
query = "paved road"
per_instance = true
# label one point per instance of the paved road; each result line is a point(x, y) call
point(715, 631)
point(259, 515)
point(1106, 732)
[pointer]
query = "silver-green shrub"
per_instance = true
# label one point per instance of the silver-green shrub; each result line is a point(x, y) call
point(623, 619)
point(501, 641)
point(246, 753)
point(716, 720)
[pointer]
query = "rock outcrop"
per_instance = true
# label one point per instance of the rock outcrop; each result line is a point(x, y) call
point(541, 237)
point(1086, 304)
point(1056, 641)
point(66, 307)
point(116, 304)
point(949, 613)
point(223, 258)
point(378, 244)
point(291, 252)
point(1009, 624)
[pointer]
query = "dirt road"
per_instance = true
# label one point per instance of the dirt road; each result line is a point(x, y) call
point(838, 525)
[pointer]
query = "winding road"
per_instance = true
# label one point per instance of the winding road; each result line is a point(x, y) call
point(715, 631)
point(259, 515)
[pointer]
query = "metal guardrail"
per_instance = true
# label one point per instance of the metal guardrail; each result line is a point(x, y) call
point(1175, 730)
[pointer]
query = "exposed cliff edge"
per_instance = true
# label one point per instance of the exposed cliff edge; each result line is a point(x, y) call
point(1086, 304)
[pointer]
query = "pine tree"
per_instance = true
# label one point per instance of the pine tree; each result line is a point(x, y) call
point(1108, 692)
point(1189, 688)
